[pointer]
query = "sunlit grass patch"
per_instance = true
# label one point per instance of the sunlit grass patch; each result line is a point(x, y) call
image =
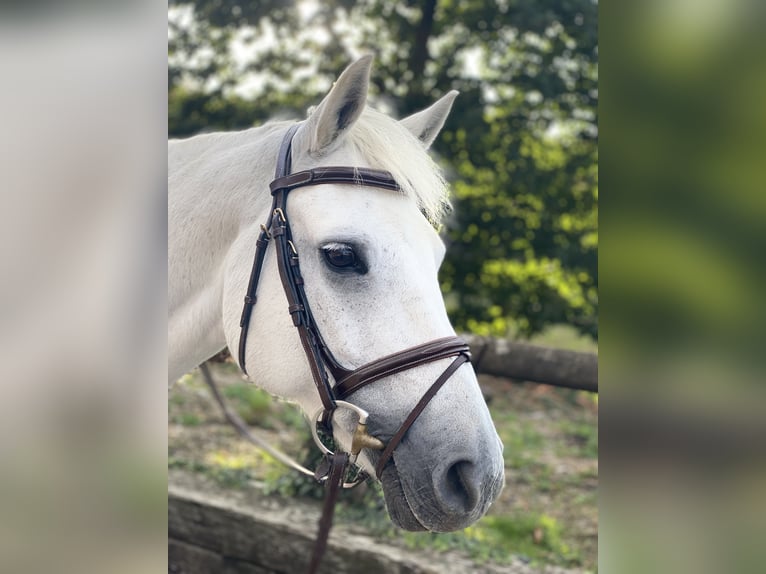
point(537, 537)
point(231, 469)
point(225, 459)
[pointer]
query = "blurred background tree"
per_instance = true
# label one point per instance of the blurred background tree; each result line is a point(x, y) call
point(520, 146)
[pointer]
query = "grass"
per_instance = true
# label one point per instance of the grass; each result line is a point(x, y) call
point(521, 439)
point(237, 478)
point(176, 399)
point(252, 404)
point(532, 537)
point(259, 408)
point(536, 537)
point(582, 438)
point(229, 470)
point(188, 419)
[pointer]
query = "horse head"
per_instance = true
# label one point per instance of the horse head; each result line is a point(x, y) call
point(369, 260)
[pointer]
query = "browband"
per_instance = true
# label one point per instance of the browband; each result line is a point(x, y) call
point(349, 175)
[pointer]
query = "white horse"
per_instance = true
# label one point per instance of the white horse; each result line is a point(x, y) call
point(449, 468)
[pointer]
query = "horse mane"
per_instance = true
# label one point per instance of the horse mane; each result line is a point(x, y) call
point(386, 144)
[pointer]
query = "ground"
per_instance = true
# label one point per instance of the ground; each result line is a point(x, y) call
point(546, 515)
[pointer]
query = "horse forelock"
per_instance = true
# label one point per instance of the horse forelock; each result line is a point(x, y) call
point(386, 144)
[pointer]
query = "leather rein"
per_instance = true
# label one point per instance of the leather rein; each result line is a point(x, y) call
point(321, 360)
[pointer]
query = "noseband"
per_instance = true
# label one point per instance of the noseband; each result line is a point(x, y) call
point(320, 358)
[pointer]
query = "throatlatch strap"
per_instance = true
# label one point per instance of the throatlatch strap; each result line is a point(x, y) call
point(250, 296)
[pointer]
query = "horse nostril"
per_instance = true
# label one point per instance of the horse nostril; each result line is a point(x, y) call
point(458, 490)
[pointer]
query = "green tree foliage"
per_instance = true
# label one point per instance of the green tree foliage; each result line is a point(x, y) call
point(520, 145)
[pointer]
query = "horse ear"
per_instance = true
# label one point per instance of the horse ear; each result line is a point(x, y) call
point(341, 107)
point(426, 124)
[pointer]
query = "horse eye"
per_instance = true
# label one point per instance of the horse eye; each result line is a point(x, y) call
point(342, 257)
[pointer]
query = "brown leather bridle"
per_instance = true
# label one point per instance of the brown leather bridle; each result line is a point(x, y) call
point(321, 360)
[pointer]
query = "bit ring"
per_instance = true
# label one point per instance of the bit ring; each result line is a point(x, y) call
point(363, 416)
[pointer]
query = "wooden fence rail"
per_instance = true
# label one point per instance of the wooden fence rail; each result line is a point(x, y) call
point(503, 358)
